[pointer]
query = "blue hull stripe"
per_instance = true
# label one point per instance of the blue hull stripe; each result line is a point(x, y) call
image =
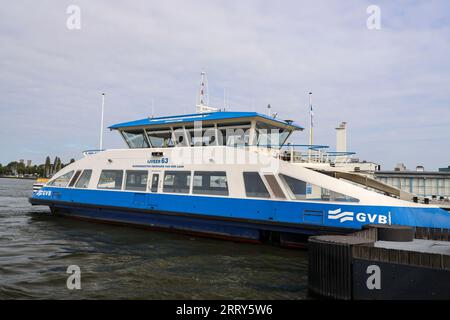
point(329, 215)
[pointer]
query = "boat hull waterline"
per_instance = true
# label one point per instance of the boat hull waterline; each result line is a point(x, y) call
point(249, 220)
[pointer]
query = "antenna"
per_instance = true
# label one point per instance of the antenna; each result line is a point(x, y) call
point(311, 125)
point(153, 108)
point(224, 99)
point(101, 123)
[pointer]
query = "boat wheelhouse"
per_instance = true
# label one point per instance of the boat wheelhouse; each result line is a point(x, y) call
point(229, 175)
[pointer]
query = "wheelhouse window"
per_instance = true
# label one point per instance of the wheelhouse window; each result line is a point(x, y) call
point(83, 181)
point(270, 136)
point(160, 138)
point(304, 191)
point(254, 185)
point(177, 181)
point(212, 183)
point(234, 135)
point(110, 179)
point(202, 136)
point(136, 180)
point(61, 181)
point(135, 139)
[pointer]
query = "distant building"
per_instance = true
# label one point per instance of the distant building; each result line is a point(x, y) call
point(427, 184)
point(22, 161)
point(28, 163)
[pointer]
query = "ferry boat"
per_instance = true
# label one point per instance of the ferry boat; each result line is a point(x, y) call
point(230, 175)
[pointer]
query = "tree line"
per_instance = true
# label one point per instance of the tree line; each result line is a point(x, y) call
point(45, 170)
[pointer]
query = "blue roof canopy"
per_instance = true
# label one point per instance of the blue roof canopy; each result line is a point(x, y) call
point(210, 116)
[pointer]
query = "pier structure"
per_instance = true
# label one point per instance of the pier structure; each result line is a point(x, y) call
point(388, 262)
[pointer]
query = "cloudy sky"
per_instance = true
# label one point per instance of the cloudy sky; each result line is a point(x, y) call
point(391, 85)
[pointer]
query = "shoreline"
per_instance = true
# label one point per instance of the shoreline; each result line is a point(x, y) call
point(19, 178)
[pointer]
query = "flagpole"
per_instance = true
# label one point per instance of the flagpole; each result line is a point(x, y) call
point(310, 126)
point(101, 123)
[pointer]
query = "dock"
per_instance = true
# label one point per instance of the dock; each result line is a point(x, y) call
point(382, 263)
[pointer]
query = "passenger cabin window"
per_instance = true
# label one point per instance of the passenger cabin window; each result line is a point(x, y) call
point(212, 183)
point(297, 187)
point(61, 181)
point(305, 191)
point(136, 180)
point(254, 186)
point(177, 181)
point(273, 184)
point(110, 179)
point(135, 139)
point(84, 179)
point(75, 177)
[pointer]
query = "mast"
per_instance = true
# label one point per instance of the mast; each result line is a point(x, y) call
point(203, 96)
point(311, 126)
point(101, 122)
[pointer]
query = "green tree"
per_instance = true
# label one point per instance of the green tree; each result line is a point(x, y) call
point(47, 167)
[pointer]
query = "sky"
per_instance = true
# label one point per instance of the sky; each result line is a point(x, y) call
point(391, 84)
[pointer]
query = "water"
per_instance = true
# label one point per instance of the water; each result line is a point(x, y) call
point(127, 263)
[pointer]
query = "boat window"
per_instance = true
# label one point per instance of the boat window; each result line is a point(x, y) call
point(83, 182)
point(177, 181)
point(305, 191)
point(75, 177)
point(136, 180)
point(254, 186)
point(160, 139)
point(273, 184)
point(213, 183)
point(270, 136)
point(203, 136)
point(135, 139)
point(155, 181)
point(61, 181)
point(297, 187)
point(179, 136)
point(110, 179)
point(234, 135)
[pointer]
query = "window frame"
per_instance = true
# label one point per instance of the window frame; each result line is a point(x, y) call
point(265, 195)
point(173, 189)
point(128, 172)
point(52, 182)
point(105, 170)
point(79, 179)
point(211, 191)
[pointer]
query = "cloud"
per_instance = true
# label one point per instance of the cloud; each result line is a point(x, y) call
point(390, 85)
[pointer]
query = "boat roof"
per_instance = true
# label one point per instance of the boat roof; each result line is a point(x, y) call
point(207, 116)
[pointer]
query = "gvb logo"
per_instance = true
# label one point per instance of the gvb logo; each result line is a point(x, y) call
point(74, 280)
point(341, 216)
point(359, 217)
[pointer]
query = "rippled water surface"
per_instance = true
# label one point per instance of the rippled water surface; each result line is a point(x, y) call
point(127, 263)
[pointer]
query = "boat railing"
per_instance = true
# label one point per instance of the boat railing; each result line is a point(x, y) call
point(305, 153)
